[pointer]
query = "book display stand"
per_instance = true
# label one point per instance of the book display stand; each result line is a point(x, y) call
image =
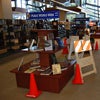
point(45, 81)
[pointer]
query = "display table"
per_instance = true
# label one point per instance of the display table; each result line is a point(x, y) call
point(50, 83)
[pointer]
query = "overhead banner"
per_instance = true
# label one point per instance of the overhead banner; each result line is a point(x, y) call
point(43, 15)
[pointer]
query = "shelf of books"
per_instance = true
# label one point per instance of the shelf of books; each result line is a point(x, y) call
point(13, 34)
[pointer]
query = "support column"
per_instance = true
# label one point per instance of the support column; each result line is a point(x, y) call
point(62, 15)
point(5, 9)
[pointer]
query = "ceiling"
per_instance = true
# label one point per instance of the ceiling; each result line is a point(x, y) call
point(90, 9)
point(60, 3)
point(87, 10)
point(54, 1)
point(47, 1)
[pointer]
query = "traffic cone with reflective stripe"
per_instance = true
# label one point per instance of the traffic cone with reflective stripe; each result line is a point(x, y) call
point(33, 92)
point(78, 79)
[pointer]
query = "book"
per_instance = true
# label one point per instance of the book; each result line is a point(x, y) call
point(48, 45)
point(63, 68)
point(35, 66)
point(56, 69)
point(46, 72)
point(30, 70)
point(41, 42)
point(53, 59)
point(43, 68)
point(59, 42)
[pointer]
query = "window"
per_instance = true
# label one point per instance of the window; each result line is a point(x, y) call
point(23, 4)
point(13, 3)
point(18, 3)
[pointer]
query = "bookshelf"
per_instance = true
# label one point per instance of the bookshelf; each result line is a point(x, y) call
point(2, 38)
point(13, 34)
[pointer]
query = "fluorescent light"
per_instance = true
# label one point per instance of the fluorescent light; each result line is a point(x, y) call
point(66, 10)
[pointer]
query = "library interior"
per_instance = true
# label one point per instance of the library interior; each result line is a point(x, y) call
point(49, 49)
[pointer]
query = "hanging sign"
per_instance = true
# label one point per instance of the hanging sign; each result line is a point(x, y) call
point(43, 15)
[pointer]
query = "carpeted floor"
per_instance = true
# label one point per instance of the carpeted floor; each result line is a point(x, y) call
point(90, 90)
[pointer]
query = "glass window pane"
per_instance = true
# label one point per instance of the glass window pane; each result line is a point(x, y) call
point(12, 3)
point(18, 3)
point(23, 3)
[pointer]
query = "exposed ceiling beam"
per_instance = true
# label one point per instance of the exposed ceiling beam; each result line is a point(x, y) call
point(59, 4)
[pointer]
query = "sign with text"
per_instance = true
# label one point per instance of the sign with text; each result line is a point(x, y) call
point(43, 15)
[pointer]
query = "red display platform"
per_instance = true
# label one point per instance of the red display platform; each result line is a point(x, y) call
point(50, 83)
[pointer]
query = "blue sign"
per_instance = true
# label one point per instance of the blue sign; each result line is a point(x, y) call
point(43, 15)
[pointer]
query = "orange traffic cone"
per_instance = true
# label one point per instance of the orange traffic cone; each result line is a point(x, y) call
point(33, 92)
point(96, 45)
point(65, 49)
point(78, 79)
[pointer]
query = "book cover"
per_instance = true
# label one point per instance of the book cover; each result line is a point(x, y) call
point(60, 42)
point(56, 69)
point(53, 59)
point(48, 45)
point(41, 42)
point(35, 66)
